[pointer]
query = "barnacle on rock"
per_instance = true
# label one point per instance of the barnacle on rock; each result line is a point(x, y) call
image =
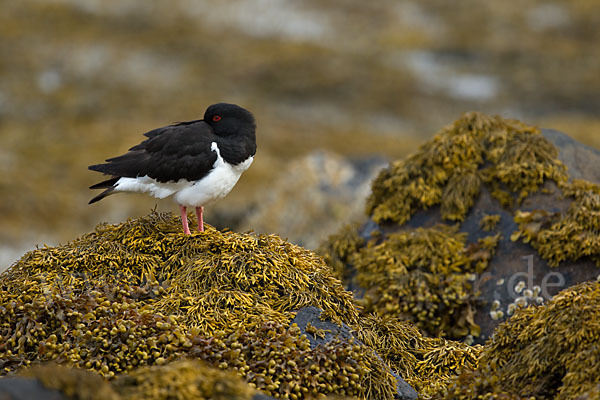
point(513, 159)
point(548, 351)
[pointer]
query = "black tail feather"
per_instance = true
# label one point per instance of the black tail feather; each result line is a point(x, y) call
point(108, 184)
point(102, 195)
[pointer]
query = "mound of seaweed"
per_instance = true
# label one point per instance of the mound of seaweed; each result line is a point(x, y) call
point(511, 158)
point(141, 294)
point(451, 224)
point(423, 274)
point(550, 352)
point(212, 281)
point(185, 379)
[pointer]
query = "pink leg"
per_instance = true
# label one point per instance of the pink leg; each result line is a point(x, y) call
point(184, 221)
point(199, 211)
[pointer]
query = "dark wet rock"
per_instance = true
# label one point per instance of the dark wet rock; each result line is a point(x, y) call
point(19, 388)
point(321, 332)
point(308, 317)
point(262, 397)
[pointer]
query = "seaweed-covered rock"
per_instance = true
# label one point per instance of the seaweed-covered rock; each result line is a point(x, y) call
point(71, 383)
point(142, 294)
point(550, 352)
point(321, 332)
point(427, 364)
point(185, 380)
point(481, 220)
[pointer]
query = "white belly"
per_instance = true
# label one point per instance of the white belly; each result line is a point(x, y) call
point(214, 186)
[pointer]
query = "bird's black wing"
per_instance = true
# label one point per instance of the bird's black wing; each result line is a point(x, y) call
point(158, 131)
point(171, 153)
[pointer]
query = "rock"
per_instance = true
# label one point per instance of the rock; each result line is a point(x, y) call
point(548, 352)
point(312, 196)
point(321, 332)
point(141, 294)
point(580, 159)
point(19, 388)
point(481, 220)
point(309, 321)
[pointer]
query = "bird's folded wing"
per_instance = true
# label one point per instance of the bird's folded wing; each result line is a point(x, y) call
point(177, 152)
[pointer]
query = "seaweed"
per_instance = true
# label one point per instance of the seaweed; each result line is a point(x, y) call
point(338, 248)
point(424, 275)
point(185, 379)
point(142, 294)
point(548, 351)
point(565, 236)
point(72, 382)
point(512, 159)
point(427, 364)
point(489, 222)
point(132, 300)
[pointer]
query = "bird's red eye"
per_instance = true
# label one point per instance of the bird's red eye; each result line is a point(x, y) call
point(217, 118)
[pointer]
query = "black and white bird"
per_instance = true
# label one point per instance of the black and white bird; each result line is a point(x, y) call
point(196, 162)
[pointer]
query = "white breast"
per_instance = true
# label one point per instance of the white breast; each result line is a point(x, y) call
point(214, 186)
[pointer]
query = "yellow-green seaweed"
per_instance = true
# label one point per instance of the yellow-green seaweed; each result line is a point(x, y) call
point(141, 293)
point(108, 303)
point(424, 275)
point(74, 383)
point(511, 158)
point(427, 364)
point(182, 380)
point(489, 222)
point(569, 235)
point(548, 352)
point(339, 247)
point(213, 280)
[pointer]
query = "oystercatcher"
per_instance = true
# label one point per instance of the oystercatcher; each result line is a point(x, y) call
point(196, 162)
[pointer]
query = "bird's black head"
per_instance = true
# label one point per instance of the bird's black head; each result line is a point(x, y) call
point(229, 119)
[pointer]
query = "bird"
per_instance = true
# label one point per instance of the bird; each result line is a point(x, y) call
point(197, 162)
